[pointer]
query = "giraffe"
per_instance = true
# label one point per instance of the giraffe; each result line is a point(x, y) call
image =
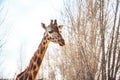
point(52, 34)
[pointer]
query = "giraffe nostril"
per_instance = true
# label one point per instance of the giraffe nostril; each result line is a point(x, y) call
point(59, 37)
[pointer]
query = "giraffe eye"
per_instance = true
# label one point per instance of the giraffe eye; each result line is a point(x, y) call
point(50, 31)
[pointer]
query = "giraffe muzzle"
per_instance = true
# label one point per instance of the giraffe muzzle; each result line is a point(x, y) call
point(62, 42)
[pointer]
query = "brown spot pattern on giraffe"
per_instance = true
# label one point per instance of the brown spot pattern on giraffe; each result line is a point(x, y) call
point(39, 61)
point(30, 77)
point(35, 73)
point(21, 78)
point(35, 58)
point(26, 75)
point(31, 71)
point(42, 49)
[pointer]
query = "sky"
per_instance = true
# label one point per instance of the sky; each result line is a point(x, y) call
point(22, 30)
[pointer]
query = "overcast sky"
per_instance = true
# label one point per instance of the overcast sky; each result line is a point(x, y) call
point(22, 23)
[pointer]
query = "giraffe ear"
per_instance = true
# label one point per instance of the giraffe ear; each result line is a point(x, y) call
point(60, 28)
point(43, 25)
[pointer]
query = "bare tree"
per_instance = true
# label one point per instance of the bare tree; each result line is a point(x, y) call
point(92, 32)
point(3, 35)
point(2, 20)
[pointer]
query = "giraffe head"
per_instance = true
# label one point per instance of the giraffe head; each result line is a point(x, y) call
point(53, 32)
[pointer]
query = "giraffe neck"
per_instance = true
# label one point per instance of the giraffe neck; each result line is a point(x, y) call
point(31, 71)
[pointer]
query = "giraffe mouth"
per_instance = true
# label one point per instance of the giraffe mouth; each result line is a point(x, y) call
point(62, 43)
